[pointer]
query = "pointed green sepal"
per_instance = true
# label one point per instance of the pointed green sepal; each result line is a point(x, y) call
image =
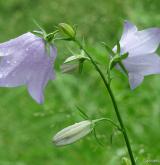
point(124, 56)
point(109, 50)
point(116, 59)
point(40, 27)
point(38, 33)
point(50, 37)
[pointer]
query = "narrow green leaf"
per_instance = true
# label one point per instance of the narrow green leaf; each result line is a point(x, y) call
point(123, 68)
point(109, 50)
point(124, 56)
point(42, 29)
point(83, 114)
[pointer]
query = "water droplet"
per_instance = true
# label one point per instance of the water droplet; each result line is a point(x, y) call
point(8, 62)
point(6, 54)
point(1, 75)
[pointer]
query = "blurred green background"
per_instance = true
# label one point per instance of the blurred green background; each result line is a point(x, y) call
point(26, 128)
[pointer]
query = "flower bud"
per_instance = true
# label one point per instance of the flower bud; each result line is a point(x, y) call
point(74, 63)
point(75, 58)
point(73, 133)
point(69, 68)
point(67, 29)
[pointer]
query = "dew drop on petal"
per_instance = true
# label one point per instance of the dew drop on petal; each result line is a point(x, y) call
point(8, 62)
point(1, 75)
point(6, 54)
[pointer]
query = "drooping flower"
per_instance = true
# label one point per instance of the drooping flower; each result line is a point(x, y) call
point(25, 61)
point(73, 133)
point(142, 58)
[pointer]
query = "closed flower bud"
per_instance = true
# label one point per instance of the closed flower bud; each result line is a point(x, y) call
point(67, 29)
point(69, 68)
point(74, 63)
point(73, 133)
point(75, 58)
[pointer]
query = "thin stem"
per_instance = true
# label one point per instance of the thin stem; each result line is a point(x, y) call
point(113, 102)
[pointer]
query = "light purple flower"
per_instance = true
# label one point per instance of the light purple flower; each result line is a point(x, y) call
point(141, 46)
point(25, 61)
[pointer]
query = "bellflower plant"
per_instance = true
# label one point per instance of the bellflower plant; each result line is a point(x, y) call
point(29, 59)
point(25, 61)
point(135, 55)
point(141, 47)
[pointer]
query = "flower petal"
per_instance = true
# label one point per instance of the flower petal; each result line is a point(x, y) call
point(9, 47)
point(53, 52)
point(144, 64)
point(139, 42)
point(38, 83)
point(42, 72)
point(141, 46)
point(135, 80)
point(14, 69)
point(145, 42)
point(128, 34)
point(28, 65)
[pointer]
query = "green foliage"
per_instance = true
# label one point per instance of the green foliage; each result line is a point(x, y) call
point(27, 128)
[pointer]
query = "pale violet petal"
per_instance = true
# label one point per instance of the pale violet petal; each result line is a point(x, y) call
point(9, 47)
point(42, 73)
point(141, 46)
point(53, 52)
point(135, 80)
point(28, 65)
point(18, 65)
point(146, 42)
point(128, 34)
point(37, 84)
point(144, 64)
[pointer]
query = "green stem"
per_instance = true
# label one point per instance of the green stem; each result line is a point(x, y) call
point(113, 101)
point(109, 120)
